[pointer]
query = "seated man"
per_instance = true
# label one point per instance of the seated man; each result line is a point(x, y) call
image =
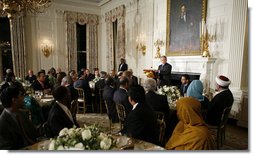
point(224, 98)
point(60, 116)
point(108, 97)
point(121, 97)
point(30, 77)
point(9, 81)
point(141, 122)
point(16, 131)
point(40, 84)
point(67, 82)
point(185, 81)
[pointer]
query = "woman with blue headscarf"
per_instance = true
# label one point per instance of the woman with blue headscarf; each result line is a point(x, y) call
point(195, 90)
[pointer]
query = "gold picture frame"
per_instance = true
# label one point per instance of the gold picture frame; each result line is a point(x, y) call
point(185, 40)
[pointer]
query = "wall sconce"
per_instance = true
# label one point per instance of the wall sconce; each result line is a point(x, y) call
point(140, 43)
point(159, 43)
point(46, 48)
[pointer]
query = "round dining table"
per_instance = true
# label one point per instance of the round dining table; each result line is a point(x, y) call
point(122, 143)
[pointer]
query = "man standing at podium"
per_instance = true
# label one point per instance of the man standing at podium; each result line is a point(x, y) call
point(164, 72)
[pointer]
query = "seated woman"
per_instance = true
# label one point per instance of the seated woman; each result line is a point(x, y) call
point(191, 132)
point(195, 90)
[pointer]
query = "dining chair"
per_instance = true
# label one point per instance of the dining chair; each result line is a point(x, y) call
point(121, 114)
point(109, 116)
point(220, 130)
point(73, 108)
point(81, 99)
point(161, 126)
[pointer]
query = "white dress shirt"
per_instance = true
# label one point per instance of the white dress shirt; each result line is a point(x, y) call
point(134, 106)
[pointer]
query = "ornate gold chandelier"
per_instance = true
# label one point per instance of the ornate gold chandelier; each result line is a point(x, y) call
point(14, 7)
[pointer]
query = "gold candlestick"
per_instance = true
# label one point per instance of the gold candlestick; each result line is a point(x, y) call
point(159, 43)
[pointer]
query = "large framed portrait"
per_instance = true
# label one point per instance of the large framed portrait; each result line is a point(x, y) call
point(184, 24)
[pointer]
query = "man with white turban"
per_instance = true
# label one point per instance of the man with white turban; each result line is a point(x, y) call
point(224, 98)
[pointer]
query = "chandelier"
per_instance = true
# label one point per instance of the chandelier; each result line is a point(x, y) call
point(15, 7)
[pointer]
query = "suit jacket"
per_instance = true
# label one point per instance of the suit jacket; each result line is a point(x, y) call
point(5, 85)
point(11, 135)
point(100, 84)
point(89, 77)
point(37, 86)
point(58, 119)
point(108, 97)
point(81, 83)
point(134, 81)
point(73, 92)
point(218, 104)
point(165, 74)
point(182, 91)
point(123, 68)
point(121, 96)
point(141, 124)
point(158, 103)
point(30, 79)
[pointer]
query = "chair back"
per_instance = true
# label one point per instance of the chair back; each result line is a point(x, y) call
point(80, 93)
point(81, 99)
point(73, 108)
point(224, 116)
point(109, 116)
point(161, 126)
point(101, 100)
point(121, 113)
point(159, 115)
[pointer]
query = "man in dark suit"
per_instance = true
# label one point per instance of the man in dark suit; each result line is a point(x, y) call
point(123, 66)
point(16, 130)
point(30, 77)
point(67, 82)
point(134, 79)
point(185, 82)
point(60, 116)
point(40, 84)
point(160, 104)
point(82, 83)
point(141, 122)
point(121, 95)
point(9, 80)
point(108, 97)
point(101, 82)
point(164, 72)
point(224, 98)
point(88, 75)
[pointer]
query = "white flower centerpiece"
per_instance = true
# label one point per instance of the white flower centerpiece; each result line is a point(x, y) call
point(172, 93)
point(87, 138)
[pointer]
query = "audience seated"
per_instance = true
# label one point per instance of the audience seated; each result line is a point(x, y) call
point(191, 132)
point(60, 116)
point(108, 97)
point(224, 98)
point(141, 122)
point(134, 79)
point(9, 81)
point(30, 77)
point(121, 97)
point(157, 102)
point(185, 81)
point(67, 82)
point(88, 75)
point(16, 131)
point(195, 90)
point(82, 83)
point(40, 84)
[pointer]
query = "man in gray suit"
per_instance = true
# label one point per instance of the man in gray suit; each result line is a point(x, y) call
point(164, 72)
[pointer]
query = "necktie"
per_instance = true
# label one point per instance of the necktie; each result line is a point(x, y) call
point(23, 130)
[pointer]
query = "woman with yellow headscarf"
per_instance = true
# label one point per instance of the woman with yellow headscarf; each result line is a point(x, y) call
point(191, 132)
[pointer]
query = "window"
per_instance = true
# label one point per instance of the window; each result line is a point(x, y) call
point(81, 46)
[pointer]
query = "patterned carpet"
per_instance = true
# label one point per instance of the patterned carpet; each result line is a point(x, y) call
point(236, 137)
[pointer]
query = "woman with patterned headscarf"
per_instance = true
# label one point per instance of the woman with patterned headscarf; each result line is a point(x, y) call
point(191, 132)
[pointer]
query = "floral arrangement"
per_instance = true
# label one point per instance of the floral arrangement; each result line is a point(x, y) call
point(87, 138)
point(172, 93)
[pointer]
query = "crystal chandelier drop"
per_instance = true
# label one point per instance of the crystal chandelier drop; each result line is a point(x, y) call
point(14, 7)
